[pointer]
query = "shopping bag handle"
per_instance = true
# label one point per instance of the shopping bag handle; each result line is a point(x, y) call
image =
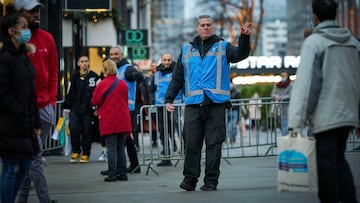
point(295, 134)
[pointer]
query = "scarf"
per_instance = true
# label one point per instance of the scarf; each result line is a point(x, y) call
point(283, 84)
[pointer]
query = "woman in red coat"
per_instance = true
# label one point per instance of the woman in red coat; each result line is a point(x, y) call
point(111, 98)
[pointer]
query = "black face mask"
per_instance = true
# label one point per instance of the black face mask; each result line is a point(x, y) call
point(35, 24)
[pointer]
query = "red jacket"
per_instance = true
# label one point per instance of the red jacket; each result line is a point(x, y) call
point(46, 63)
point(114, 114)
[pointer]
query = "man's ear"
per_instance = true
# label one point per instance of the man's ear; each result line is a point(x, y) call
point(315, 19)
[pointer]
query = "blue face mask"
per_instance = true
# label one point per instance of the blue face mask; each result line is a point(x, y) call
point(24, 37)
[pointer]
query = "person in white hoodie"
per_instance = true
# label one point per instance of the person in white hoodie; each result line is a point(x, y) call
point(326, 98)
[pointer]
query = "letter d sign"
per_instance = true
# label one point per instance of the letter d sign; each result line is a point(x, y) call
point(134, 37)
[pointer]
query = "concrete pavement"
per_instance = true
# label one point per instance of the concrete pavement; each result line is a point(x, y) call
point(243, 180)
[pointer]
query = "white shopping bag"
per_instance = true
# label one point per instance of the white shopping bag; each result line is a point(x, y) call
point(297, 168)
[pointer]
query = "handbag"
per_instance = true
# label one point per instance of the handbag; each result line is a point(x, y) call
point(297, 167)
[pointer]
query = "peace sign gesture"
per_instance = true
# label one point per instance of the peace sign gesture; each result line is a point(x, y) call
point(246, 30)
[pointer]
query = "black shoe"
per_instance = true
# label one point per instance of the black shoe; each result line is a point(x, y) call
point(104, 172)
point(135, 169)
point(122, 177)
point(110, 179)
point(164, 163)
point(53, 201)
point(187, 187)
point(208, 187)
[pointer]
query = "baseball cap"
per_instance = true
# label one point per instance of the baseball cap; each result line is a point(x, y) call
point(26, 4)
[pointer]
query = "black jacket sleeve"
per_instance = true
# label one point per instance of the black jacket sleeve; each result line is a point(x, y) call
point(132, 74)
point(235, 54)
point(177, 82)
point(152, 89)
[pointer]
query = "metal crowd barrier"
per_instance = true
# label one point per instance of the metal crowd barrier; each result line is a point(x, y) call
point(252, 139)
point(51, 144)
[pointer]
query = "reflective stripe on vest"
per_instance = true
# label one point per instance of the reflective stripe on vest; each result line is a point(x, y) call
point(162, 83)
point(202, 74)
point(131, 86)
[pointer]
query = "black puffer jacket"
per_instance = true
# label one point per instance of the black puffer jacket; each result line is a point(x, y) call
point(19, 114)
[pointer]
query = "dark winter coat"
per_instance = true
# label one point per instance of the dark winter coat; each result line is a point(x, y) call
point(19, 114)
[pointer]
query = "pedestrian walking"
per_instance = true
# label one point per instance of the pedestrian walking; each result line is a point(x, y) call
point(326, 95)
point(46, 64)
point(203, 71)
point(19, 115)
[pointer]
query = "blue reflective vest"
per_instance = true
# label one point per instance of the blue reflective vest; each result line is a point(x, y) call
point(131, 86)
point(210, 75)
point(162, 83)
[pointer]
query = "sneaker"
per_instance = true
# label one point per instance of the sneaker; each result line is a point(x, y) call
point(208, 187)
point(110, 179)
point(122, 177)
point(164, 163)
point(103, 156)
point(74, 157)
point(187, 187)
point(84, 159)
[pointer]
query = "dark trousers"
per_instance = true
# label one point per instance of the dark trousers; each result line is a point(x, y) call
point(80, 132)
point(37, 172)
point(204, 122)
point(167, 125)
point(135, 126)
point(131, 151)
point(115, 144)
point(336, 182)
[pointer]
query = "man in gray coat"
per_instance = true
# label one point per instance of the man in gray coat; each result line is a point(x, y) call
point(326, 97)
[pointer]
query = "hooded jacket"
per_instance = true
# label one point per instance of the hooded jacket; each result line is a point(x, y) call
point(19, 114)
point(46, 64)
point(326, 93)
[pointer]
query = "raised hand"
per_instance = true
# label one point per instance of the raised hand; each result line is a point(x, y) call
point(246, 30)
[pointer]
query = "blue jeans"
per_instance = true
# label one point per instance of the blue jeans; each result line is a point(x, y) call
point(12, 177)
point(284, 127)
point(233, 117)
